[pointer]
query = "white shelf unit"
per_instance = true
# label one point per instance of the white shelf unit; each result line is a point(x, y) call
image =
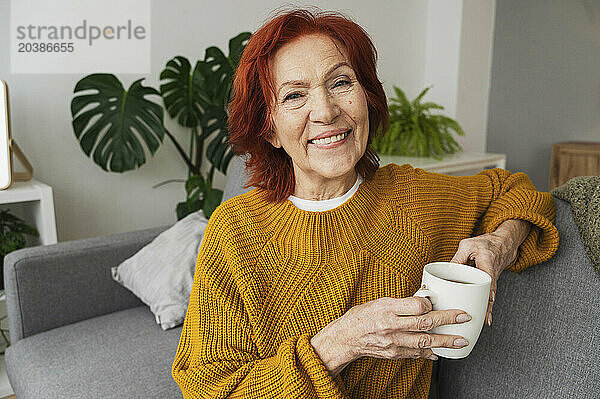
point(37, 203)
point(37, 199)
point(463, 162)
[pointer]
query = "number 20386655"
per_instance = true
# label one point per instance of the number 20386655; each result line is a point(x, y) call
point(45, 48)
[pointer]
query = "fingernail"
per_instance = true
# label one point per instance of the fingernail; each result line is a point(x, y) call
point(490, 320)
point(461, 342)
point(461, 318)
point(493, 296)
point(433, 357)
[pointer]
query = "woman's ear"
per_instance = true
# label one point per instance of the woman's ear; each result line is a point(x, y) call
point(272, 136)
point(274, 140)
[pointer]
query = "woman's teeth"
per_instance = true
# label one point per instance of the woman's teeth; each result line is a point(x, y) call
point(332, 139)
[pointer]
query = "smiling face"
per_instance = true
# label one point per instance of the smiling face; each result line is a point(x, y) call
point(318, 95)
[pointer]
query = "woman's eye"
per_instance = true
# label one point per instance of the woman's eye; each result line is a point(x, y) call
point(345, 82)
point(291, 96)
point(295, 96)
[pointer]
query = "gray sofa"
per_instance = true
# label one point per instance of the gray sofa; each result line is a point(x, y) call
point(76, 333)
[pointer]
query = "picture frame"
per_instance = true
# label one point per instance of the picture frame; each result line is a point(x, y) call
point(5, 152)
point(8, 145)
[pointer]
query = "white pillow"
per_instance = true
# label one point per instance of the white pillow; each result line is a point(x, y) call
point(162, 273)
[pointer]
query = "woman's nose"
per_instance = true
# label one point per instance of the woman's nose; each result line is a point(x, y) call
point(324, 107)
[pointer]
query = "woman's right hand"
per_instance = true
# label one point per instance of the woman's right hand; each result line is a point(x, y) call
point(387, 328)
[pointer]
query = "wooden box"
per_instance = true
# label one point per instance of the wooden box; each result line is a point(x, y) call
point(573, 158)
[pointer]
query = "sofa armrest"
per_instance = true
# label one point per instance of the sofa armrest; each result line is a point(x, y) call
point(53, 285)
point(544, 334)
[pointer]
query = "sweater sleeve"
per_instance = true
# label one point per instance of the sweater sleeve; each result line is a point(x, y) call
point(458, 207)
point(217, 357)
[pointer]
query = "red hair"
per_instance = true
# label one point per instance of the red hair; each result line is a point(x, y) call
point(249, 111)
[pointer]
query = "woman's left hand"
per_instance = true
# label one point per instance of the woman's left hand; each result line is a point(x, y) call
point(493, 252)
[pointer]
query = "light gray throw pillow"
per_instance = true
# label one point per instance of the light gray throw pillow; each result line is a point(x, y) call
point(162, 273)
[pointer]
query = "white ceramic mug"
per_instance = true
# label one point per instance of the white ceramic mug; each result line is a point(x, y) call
point(456, 286)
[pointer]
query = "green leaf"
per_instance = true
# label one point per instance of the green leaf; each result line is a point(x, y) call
point(11, 241)
point(184, 208)
point(236, 48)
point(212, 201)
point(214, 125)
point(182, 91)
point(405, 107)
point(195, 182)
point(427, 106)
point(123, 117)
point(450, 123)
point(420, 96)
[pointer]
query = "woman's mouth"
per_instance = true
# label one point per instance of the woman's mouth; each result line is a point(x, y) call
point(331, 142)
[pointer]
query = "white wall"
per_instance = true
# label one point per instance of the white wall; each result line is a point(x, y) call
point(442, 52)
point(474, 72)
point(90, 202)
point(458, 56)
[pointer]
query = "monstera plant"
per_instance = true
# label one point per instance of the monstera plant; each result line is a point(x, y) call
point(115, 127)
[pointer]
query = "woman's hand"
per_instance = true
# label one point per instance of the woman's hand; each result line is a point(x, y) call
point(493, 252)
point(387, 328)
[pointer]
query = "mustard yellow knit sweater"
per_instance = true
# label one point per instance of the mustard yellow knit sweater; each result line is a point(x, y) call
point(269, 276)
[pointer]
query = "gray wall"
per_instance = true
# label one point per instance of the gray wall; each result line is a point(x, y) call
point(545, 83)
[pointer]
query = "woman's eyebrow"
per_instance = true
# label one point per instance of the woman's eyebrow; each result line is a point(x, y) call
point(301, 82)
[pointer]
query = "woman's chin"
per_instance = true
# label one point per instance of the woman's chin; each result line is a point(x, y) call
point(338, 171)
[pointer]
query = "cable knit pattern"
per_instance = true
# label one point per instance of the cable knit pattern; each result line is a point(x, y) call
point(269, 276)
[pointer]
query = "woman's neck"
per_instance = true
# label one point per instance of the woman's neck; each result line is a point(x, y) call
point(324, 189)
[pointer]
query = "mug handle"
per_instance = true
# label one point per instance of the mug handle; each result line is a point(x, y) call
point(423, 292)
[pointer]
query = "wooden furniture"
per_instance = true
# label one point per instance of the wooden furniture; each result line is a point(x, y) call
point(461, 163)
point(573, 158)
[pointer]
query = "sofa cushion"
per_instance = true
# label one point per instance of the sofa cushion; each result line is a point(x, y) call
point(544, 341)
point(162, 273)
point(120, 355)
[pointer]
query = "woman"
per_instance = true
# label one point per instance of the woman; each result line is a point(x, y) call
point(303, 285)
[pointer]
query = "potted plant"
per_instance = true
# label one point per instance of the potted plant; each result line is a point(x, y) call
point(127, 121)
point(415, 131)
point(12, 230)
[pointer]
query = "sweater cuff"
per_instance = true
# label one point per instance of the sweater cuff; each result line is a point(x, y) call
point(540, 244)
point(325, 385)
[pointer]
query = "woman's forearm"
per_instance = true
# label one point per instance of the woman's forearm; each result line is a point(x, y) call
point(514, 231)
point(335, 355)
